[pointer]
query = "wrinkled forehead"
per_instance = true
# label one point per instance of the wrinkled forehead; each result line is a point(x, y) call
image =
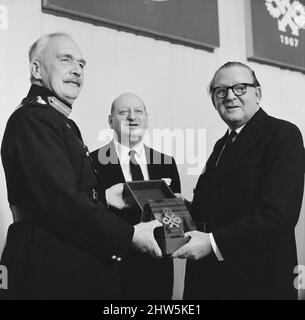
point(129, 101)
point(233, 74)
point(63, 45)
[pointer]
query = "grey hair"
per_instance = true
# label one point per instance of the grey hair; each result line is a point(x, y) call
point(37, 48)
point(228, 65)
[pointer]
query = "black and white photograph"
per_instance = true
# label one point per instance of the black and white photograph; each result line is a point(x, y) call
point(152, 151)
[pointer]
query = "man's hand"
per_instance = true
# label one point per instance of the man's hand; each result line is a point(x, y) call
point(143, 238)
point(179, 196)
point(198, 247)
point(114, 196)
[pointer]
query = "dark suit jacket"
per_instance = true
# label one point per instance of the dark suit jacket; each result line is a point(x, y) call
point(251, 203)
point(64, 247)
point(142, 276)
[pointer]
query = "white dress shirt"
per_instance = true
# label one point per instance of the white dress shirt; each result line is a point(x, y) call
point(124, 157)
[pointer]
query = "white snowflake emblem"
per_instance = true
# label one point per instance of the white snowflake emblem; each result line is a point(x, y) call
point(288, 13)
point(299, 17)
point(273, 9)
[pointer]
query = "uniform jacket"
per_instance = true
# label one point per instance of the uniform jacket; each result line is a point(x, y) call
point(143, 277)
point(251, 203)
point(68, 243)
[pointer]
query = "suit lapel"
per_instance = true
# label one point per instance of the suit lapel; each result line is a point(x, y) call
point(211, 163)
point(155, 163)
point(150, 159)
point(246, 140)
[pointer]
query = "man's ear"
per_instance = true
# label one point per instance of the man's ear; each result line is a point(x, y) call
point(110, 121)
point(147, 122)
point(35, 70)
point(258, 93)
point(213, 102)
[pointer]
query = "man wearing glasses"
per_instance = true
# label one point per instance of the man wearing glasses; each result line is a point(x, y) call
point(249, 199)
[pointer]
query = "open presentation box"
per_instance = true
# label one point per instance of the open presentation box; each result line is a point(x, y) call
point(153, 199)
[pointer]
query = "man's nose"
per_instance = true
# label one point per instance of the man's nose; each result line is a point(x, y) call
point(77, 69)
point(131, 115)
point(231, 94)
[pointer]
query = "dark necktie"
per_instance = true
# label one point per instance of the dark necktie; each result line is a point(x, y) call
point(135, 169)
point(230, 139)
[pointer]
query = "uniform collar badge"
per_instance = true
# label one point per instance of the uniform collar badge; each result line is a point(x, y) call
point(59, 106)
point(40, 100)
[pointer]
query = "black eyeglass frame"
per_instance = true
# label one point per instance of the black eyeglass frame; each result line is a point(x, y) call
point(254, 85)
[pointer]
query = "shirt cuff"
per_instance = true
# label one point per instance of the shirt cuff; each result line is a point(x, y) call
point(215, 248)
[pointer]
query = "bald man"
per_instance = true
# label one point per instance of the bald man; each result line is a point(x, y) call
point(126, 158)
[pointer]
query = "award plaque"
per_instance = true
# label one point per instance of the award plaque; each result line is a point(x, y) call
point(154, 199)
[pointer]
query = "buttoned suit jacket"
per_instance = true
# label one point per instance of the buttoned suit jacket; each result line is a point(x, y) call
point(64, 246)
point(251, 203)
point(142, 276)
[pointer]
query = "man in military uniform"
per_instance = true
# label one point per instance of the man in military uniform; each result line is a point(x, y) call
point(64, 243)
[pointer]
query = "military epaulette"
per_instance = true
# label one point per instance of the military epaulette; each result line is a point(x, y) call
point(39, 100)
point(32, 100)
point(51, 101)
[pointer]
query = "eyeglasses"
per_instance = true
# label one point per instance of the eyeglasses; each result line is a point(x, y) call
point(239, 89)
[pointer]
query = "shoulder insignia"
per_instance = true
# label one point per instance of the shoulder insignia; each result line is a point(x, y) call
point(18, 107)
point(40, 100)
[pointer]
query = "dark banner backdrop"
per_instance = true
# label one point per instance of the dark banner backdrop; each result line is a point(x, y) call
point(276, 32)
point(190, 22)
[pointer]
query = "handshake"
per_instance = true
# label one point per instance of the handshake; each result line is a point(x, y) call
point(144, 241)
